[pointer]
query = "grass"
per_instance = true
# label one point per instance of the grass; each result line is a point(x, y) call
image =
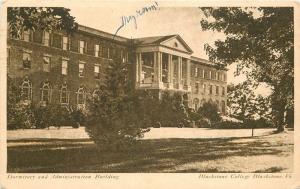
point(272, 153)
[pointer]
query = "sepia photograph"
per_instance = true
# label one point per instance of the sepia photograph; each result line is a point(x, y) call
point(149, 87)
point(213, 93)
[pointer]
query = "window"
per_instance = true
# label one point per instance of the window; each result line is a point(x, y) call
point(81, 69)
point(65, 43)
point(201, 73)
point(46, 93)
point(46, 40)
point(81, 96)
point(26, 60)
point(209, 76)
point(26, 90)
point(210, 89)
point(64, 67)
point(97, 72)
point(216, 75)
point(46, 64)
point(196, 88)
point(224, 77)
point(204, 88)
point(26, 36)
point(82, 47)
point(122, 55)
point(64, 95)
point(97, 50)
point(223, 91)
point(217, 90)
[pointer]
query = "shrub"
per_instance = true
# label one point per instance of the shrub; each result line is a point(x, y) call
point(203, 122)
point(51, 115)
point(247, 124)
point(209, 110)
point(20, 116)
point(171, 110)
point(77, 117)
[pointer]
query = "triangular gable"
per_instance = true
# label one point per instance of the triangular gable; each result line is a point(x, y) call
point(177, 43)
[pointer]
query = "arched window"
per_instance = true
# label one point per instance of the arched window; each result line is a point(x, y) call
point(81, 96)
point(46, 92)
point(96, 93)
point(64, 94)
point(26, 89)
point(196, 103)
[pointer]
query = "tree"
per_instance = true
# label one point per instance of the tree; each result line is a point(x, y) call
point(39, 18)
point(261, 42)
point(117, 116)
point(241, 101)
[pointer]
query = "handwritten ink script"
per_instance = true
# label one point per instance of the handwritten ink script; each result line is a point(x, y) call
point(125, 20)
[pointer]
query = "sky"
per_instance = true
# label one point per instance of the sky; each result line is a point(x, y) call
point(163, 20)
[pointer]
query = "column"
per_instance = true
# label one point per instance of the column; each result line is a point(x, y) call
point(140, 67)
point(170, 72)
point(158, 69)
point(179, 75)
point(188, 74)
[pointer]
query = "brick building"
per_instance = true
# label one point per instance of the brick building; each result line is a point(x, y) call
point(60, 68)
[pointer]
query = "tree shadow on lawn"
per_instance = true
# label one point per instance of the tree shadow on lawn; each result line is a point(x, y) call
point(155, 155)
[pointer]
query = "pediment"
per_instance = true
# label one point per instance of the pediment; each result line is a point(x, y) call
point(177, 43)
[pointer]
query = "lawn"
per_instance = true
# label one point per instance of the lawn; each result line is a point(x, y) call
point(268, 153)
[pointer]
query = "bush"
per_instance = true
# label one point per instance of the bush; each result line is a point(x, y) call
point(248, 124)
point(51, 115)
point(77, 117)
point(209, 111)
point(203, 122)
point(20, 116)
point(171, 111)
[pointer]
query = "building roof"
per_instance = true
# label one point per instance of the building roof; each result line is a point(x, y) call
point(206, 62)
point(102, 34)
point(144, 41)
